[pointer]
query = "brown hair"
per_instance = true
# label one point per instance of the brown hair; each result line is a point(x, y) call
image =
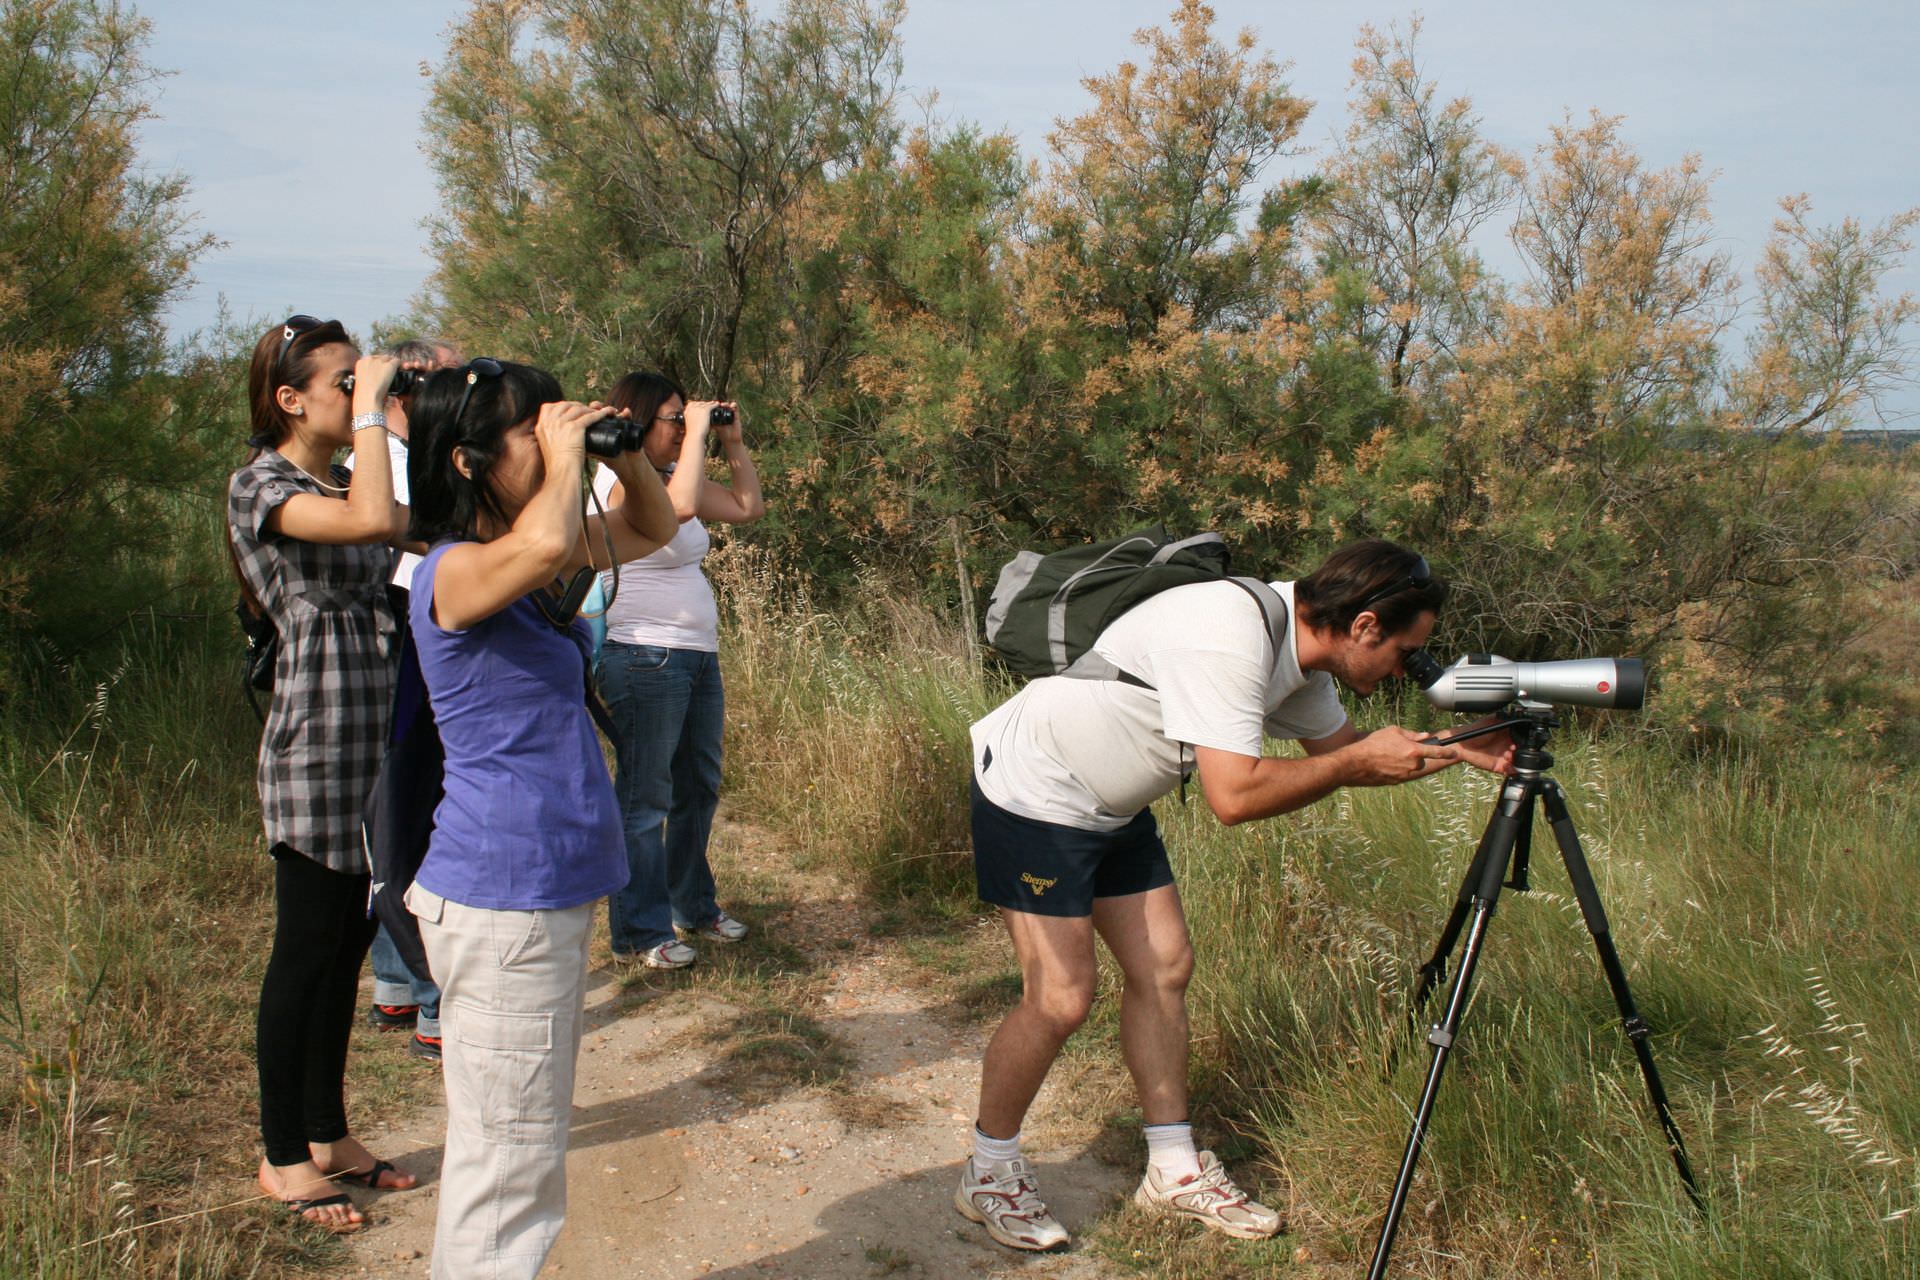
point(644, 393)
point(271, 425)
point(270, 371)
point(1370, 576)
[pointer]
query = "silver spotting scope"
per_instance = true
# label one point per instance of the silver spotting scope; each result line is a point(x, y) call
point(1488, 682)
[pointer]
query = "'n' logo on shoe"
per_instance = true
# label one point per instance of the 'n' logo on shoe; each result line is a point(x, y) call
point(1036, 884)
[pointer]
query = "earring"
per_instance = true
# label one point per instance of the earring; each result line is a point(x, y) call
point(299, 412)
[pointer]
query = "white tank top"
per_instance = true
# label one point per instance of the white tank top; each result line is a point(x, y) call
point(664, 598)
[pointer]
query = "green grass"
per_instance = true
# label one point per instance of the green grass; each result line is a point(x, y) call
point(134, 921)
point(845, 734)
point(1764, 908)
point(1764, 903)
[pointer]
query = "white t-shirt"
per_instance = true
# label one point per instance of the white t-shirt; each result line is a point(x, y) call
point(407, 562)
point(664, 598)
point(1093, 753)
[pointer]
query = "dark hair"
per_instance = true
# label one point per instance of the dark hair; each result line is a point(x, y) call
point(269, 371)
point(444, 503)
point(1370, 576)
point(644, 393)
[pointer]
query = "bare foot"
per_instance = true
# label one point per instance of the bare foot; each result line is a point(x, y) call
point(294, 1184)
point(348, 1159)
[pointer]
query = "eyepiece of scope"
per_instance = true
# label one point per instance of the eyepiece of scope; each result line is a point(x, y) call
point(1422, 668)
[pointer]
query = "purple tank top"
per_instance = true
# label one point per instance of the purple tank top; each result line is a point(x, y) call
point(528, 820)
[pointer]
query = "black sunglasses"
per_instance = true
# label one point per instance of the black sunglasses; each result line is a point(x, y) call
point(293, 328)
point(1419, 578)
point(484, 367)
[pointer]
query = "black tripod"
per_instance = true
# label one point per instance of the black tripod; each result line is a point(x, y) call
point(1509, 839)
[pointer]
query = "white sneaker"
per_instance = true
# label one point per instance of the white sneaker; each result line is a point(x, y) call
point(668, 955)
point(722, 928)
point(1211, 1198)
point(1007, 1203)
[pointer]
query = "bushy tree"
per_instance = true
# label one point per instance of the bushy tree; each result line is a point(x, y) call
point(99, 451)
point(622, 176)
point(1118, 336)
point(1410, 184)
point(1600, 490)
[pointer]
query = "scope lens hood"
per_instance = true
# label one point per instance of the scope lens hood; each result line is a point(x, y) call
point(1632, 693)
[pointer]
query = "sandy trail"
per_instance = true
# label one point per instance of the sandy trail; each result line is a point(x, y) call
point(699, 1147)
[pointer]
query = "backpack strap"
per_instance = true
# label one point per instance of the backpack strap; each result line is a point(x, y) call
point(1091, 665)
point(1272, 608)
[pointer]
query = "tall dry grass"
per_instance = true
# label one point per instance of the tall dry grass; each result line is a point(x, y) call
point(133, 926)
point(1765, 903)
point(1765, 906)
point(847, 732)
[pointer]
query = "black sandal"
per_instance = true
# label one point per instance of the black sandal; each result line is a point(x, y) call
point(300, 1208)
point(370, 1179)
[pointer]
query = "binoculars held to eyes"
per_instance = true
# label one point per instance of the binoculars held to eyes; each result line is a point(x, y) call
point(405, 382)
point(611, 437)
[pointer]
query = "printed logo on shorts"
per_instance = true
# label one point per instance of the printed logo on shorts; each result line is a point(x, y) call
point(1036, 884)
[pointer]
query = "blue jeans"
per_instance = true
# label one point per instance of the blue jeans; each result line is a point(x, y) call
point(669, 708)
point(394, 983)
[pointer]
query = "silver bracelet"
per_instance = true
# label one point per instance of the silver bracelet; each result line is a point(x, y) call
point(361, 421)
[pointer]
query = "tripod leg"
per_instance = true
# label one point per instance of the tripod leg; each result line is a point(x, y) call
point(1490, 862)
point(1434, 971)
point(1522, 855)
point(1639, 1033)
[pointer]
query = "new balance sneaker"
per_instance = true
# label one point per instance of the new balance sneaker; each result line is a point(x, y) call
point(668, 955)
point(1211, 1198)
point(722, 928)
point(392, 1017)
point(1006, 1202)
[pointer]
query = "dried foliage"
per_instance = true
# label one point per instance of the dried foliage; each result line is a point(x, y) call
point(949, 351)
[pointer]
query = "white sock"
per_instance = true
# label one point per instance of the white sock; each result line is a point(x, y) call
point(988, 1152)
point(1170, 1151)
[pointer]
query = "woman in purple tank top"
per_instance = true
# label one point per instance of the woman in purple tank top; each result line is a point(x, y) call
point(527, 833)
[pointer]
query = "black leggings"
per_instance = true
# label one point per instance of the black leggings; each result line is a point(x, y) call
point(307, 1001)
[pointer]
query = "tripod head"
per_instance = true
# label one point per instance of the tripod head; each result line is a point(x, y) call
point(1531, 724)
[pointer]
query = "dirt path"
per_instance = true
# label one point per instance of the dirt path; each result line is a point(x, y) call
point(794, 1107)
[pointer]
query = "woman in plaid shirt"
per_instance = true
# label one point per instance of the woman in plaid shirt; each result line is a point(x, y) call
point(312, 544)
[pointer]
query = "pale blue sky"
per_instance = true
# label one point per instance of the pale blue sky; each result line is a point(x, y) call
point(298, 126)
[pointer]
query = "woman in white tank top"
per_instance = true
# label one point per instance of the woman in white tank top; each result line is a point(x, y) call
point(660, 676)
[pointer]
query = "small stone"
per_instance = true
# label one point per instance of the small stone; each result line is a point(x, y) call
point(1303, 1255)
point(405, 1255)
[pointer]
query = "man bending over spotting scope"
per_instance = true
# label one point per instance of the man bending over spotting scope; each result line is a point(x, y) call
point(1065, 845)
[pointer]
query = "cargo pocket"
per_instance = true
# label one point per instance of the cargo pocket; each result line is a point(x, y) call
point(506, 1075)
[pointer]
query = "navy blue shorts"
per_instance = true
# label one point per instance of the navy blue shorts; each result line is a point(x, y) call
point(1048, 869)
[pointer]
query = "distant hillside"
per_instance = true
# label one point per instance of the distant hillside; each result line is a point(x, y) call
point(1895, 442)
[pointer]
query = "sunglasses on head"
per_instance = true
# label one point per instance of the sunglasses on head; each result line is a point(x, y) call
point(1419, 578)
point(291, 329)
point(484, 367)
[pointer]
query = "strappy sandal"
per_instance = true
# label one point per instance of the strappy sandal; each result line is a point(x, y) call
point(300, 1209)
point(370, 1178)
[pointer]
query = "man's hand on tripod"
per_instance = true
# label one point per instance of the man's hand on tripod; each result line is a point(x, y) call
point(1393, 755)
point(1492, 752)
